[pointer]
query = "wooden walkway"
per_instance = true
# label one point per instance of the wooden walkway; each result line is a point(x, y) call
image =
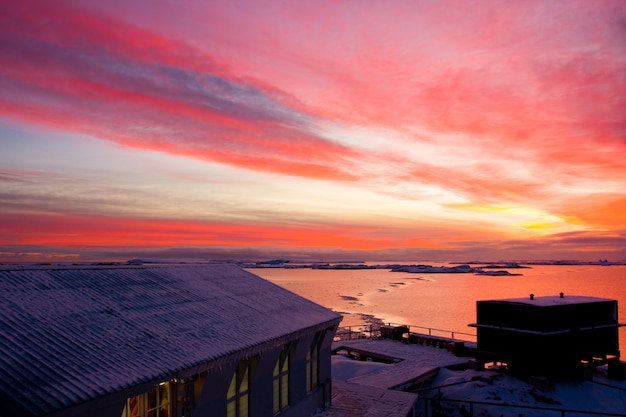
point(413, 363)
point(352, 400)
point(374, 389)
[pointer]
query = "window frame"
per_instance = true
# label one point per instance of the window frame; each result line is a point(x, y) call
point(313, 362)
point(143, 402)
point(281, 376)
point(239, 390)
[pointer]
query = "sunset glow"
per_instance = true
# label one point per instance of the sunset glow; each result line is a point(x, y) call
point(362, 130)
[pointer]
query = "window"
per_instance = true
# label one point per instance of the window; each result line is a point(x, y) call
point(238, 396)
point(154, 403)
point(312, 363)
point(189, 392)
point(281, 379)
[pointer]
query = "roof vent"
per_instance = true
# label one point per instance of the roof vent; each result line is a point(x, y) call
point(532, 296)
point(562, 295)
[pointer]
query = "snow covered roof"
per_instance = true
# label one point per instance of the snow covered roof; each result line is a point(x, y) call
point(547, 301)
point(72, 334)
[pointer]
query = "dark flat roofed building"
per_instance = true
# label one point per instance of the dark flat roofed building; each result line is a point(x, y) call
point(159, 341)
point(547, 336)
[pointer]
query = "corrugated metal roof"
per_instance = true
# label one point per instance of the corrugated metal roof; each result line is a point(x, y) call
point(73, 334)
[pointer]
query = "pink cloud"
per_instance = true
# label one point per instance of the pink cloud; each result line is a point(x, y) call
point(524, 100)
point(257, 75)
point(151, 93)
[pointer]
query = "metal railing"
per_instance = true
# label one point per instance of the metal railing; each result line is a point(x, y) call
point(437, 406)
point(443, 407)
point(372, 331)
point(445, 332)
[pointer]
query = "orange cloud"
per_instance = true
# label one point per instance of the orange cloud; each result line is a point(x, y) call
point(484, 112)
point(604, 212)
point(100, 232)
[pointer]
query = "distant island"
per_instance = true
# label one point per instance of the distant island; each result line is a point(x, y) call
point(412, 269)
point(490, 268)
point(603, 262)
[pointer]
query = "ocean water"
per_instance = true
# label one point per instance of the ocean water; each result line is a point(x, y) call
point(443, 301)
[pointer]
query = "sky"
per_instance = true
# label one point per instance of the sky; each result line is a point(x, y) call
point(313, 130)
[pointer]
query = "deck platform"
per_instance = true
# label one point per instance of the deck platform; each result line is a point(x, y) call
point(352, 400)
point(412, 363)
point(373, 386)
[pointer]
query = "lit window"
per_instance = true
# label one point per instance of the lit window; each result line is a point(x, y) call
point(238, 396)
point(154, 403)
point(281, 379)
point(312, 363)
point(189, 393)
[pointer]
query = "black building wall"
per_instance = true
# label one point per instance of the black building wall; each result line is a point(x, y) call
point(547, 338)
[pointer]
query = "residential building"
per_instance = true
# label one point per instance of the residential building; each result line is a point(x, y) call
point(159, 341)
point(550, 336)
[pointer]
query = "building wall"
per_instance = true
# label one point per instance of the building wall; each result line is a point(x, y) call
point(546, 340)
point(121, 330)
point(303, 403)
point(211, 400)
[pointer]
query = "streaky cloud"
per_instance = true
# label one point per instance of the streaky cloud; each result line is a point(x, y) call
point(143, 96)
point(439, 128)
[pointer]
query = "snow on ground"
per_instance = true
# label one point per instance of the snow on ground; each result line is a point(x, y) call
point(599, 395)
point(491, 385)
point(345, 368)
